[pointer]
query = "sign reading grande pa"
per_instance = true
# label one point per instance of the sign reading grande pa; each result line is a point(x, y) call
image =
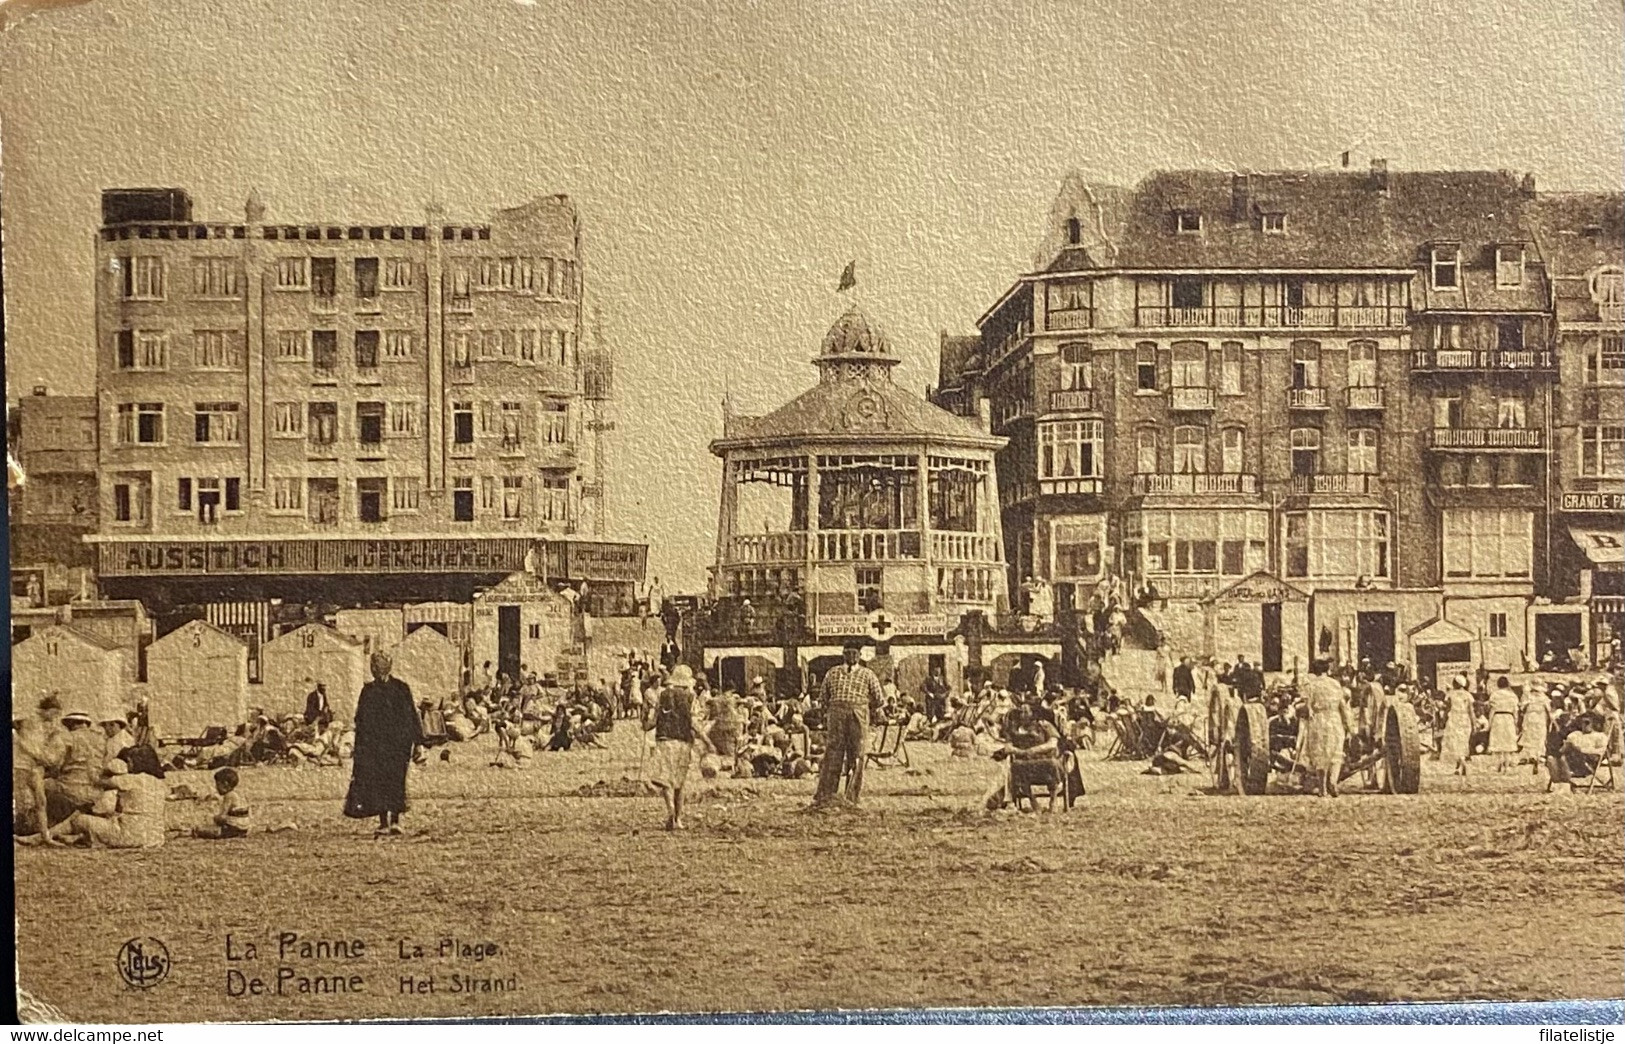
point(227, 557)
point(1594, 502)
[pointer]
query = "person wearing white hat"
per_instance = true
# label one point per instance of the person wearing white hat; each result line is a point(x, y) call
point(136, 816)
point(1458, 725)
point(671, 716)
point(73, 787)
point(117, 731)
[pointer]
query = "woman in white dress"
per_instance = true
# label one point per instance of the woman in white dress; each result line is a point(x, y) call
point(1321, 750)
point(1503, 725)
point(1458, 725)
point(1535, 723)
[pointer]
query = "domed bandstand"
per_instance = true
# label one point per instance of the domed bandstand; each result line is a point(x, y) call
point(856, 510)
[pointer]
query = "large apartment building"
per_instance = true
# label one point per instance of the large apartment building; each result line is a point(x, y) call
point(400, 406)
point(1316, 407)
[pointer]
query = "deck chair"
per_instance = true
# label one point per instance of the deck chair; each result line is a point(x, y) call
point(1609, 763)
point(887, 745)
point(1069, 786)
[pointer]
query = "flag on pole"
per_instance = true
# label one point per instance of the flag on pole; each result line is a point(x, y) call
point(849, 278)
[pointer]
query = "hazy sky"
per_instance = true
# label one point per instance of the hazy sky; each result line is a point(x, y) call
point(729, 160)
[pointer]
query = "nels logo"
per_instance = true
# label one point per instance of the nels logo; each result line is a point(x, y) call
point(143, 963)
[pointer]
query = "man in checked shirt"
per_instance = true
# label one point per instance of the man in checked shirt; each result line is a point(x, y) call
point(850, 692)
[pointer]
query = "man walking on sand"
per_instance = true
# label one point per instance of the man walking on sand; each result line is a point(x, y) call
point(850, 692)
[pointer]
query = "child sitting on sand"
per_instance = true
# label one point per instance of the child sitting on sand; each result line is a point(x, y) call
point(232, 818)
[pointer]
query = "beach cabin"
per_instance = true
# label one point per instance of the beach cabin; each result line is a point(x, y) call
point(430, 663)
point(524, 622)
point(317, 653)
point(375, 628)
point(84, 672)
point(197, 676)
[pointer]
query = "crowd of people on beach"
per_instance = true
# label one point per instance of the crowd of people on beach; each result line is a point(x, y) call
point(80, 781)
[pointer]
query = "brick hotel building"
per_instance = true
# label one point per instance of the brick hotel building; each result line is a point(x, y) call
point(345, 412)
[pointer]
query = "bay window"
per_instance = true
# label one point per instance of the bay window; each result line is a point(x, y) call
point(1070, 449)
point(1077, 550)
point(1602, 451)
point(1488, 543)
point(1337, 544)
point(1200, 543)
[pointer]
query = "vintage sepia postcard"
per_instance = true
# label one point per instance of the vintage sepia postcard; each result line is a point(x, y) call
point(547, 508)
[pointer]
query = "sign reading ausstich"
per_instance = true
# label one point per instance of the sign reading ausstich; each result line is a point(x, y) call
point(166, 558)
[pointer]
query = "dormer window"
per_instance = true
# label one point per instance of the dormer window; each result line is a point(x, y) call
point(1446, 266)
point(1509, 266)
point(1188, 221)
point(1074, 231)
point(1272, 222)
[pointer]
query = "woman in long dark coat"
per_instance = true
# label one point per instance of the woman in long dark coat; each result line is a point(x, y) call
point(387, 731)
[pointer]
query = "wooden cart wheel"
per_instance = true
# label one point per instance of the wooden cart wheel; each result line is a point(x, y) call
point(1222, 779)
point(1402, 751)
point(1252, 749)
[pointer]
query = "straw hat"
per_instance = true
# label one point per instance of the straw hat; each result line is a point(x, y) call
point(681, 676)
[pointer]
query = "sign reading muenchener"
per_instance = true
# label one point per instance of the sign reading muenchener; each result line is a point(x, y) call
point(166, 558)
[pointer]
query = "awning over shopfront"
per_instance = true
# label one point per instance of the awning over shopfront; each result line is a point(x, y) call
point(1603, 547)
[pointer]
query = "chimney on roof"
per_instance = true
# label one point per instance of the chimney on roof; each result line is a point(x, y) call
point(1379, 175)
point(1528, 186)
point(41, 390)
point(1241, 196)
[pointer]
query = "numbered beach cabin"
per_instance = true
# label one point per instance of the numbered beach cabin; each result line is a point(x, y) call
point(317, 653)
point(197, 677)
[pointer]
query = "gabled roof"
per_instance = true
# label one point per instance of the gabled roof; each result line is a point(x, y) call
point(196, 625)
point(68, 630)
point(1579, 232)
point(855, 410)
point(327, 633)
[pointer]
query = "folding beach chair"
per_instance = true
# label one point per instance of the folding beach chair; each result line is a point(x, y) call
point(887, 745)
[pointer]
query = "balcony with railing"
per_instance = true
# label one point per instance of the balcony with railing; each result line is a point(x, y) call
point(763, 548)
point(1464, 359)
point(1019, 335)
point(964, 547)
point(1527, 440)
point(1273, 317)
point(1367, 398)
point(1336, 485)
point(1070, 319)
point(1052, 487)
point(1075, 400)
point(1190, 399)
point(1188, 484)
point(1306, 398)
point(868, 545)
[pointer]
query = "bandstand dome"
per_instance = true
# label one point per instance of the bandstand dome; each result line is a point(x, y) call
point(855, 400)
